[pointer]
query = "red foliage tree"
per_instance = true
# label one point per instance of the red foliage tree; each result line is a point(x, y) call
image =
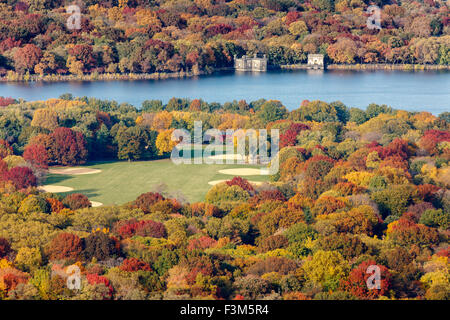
point(289, 137)
point(357, 283)
point(432, 138)
point(405, 232)
point(146, 200)
point(445, 252)
point(267, 195)
point(200, 209)
point(9, 43)
point(27, 57)
point(144, 228)
point(3, 167)
point(216, 29)
point(56, 205)
point(6, 101)
point(318, 166)
point(85, 54)
point(36, 155)
point(20, 177)
point(133, 265)
point(292, 16)
point(199, 265)
point(67, 147)
point(427, 192)
point(76, 201)
point(11, 281)
point(398, 147)
point(241, 182)
point(95, 279)
point(65, 246)
point(202, 243)
point(327, 205)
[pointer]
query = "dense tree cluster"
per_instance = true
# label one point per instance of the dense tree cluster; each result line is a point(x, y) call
point(356, 188)
point(196, 35)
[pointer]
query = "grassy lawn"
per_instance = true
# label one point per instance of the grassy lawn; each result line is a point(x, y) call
point(120, 182)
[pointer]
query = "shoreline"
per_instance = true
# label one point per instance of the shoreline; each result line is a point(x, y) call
point(377, 66)
point(101, 77)
point(15, 77)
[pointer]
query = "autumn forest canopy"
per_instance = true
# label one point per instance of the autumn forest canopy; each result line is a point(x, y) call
point(137, 36)
point(355, 188)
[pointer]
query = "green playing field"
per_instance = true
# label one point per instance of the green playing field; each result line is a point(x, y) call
point(120, 182)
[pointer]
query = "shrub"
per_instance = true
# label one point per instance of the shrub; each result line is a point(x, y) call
point(273, 264)
point(251, 286)
point(76, 201)
point(20, 177)
point(241, 182)
point(357, 281)
point(435, 218)
point(34, 204)
point(146, 200)
point(95, 279)
point(65, 246)
point(98, 245)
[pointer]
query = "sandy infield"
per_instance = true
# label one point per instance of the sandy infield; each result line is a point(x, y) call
point(244, 172)
point(96, 204)
point(55, 189)
point(214, 182)
point(74, 171)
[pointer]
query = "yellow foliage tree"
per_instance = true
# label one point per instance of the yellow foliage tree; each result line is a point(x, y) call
point(45, 118)
point(361, 178)
point(164, 142)
point(162, 121)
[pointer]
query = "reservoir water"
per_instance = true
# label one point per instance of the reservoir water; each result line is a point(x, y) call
point(407, 90)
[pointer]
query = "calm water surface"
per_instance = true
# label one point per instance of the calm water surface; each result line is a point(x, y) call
point(413, 91)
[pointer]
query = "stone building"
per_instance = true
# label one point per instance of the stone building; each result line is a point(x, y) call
point(246, 63)
point(315, 61)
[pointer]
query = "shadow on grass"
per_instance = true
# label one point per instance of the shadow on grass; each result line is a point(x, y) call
point(56, 178)
point(87, 192)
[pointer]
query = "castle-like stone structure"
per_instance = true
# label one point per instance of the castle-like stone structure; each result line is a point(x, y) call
point(315, 61)
point(246, 63)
